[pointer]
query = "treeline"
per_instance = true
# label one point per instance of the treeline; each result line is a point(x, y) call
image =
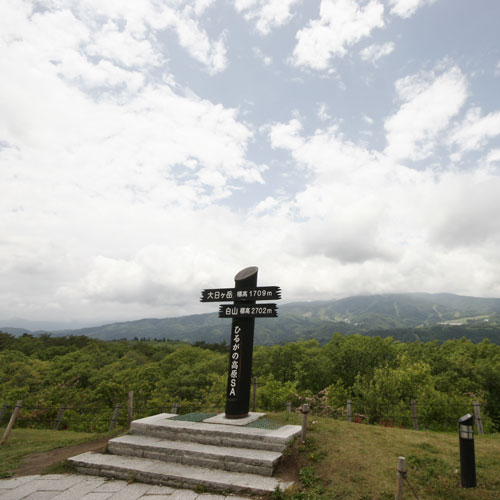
point(475, 331)
point(380, 375)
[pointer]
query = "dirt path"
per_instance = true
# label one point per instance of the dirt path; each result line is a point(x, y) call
point(38, 462)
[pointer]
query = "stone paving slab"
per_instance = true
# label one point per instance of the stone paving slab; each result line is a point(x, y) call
point(173, 474)
point(79, 487)
point(193, 453)
point(14, 482)
point(43, 495)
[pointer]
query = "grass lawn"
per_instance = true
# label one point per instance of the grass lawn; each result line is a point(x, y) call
point(343, 460)
point(23, 442)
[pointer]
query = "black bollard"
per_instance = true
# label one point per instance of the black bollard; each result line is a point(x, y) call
point(467, 455)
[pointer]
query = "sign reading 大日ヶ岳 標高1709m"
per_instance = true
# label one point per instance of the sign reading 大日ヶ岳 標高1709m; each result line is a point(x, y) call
point(243, 312)
point(256, 293)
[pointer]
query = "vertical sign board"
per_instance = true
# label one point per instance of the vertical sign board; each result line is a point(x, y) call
point(243, 312)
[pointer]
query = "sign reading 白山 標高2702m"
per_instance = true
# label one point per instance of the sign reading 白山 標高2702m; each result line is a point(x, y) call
point(247, 311)
point(243, 312)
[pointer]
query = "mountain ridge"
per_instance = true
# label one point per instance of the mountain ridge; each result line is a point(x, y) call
point(316, 319)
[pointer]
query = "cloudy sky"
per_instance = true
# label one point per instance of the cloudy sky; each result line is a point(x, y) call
point(152, 148)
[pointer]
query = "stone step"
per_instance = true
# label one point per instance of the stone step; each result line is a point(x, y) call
point(150, 471)
point(191, 453)
point(162, 426)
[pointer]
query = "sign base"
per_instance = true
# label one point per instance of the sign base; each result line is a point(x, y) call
point(222, 418)
point(235, 417)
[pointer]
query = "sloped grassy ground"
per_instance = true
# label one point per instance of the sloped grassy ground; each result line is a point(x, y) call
point(350, 461)
point(23, 442)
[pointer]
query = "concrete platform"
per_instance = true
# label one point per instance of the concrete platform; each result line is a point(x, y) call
point(163, 426)
point(221, 419)
point(79, 487)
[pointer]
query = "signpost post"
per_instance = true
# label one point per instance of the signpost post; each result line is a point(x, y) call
point(243, 312)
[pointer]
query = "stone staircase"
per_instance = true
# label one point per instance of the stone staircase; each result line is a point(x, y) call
point(215, 454)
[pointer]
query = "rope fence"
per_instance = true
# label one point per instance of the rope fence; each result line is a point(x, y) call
point(85, 418)
point(412, 415)
point(96, 418)
point(406, 413)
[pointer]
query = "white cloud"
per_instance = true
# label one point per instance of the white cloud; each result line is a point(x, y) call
point(91, 179)
point(341, 225)
point(364, 215)
point(286, 135)
point(123, 47)
point(323, 113)
point(469, 223)
point(406, 8)
point(196, 41)
point(475, 131)
point(429, 101)
point(268, 14)
point(267, 60)
point(368, 119)
point(493, 157)
point(342, 23)
point(375, 52)
point(144, 20)
point(267, 205)
point(201, 6)
point(82, 48)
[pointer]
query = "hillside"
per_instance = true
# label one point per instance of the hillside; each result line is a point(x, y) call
point(426, 315)
point(354, 462)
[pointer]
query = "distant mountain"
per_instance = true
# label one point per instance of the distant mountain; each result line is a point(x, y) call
point(421, 315)
point(14, 331)
point(45, 326)
point(375, 312)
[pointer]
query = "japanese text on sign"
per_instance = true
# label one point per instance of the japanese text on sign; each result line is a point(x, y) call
point(253, 311)
point(235, 364)
point(251, 294)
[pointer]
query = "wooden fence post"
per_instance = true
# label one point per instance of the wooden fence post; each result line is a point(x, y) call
point(254, 396)
point(115, 416)
point(175, 408)
point(477, 417)
point(2, 412)
point(400, 477)
point(130, 406)
point(59, 417)
point(349, 410)
point(12, 421)
point(288, 406)
point(305, 411)
point(414, 414)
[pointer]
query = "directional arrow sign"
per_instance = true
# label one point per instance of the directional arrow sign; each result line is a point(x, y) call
point(248, 311)
point(248, 294)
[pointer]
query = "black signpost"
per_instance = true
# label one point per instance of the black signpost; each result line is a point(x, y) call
point(243, 312)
